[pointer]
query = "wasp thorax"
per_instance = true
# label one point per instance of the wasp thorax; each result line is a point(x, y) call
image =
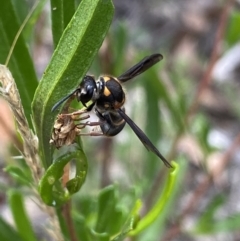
point(113, 96)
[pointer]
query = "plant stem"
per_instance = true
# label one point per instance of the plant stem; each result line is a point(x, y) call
point(69, 222)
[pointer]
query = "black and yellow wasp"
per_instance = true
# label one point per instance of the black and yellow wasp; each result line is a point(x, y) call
point(108, 97)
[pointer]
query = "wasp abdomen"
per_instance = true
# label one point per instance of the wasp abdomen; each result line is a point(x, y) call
point(112, 122)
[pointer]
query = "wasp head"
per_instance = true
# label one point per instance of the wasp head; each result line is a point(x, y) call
point(86, 90)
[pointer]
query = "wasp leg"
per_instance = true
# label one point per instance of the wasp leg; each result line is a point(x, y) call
point(78, 112)
point(77, 115)
point(92, 134)
point(88, 123)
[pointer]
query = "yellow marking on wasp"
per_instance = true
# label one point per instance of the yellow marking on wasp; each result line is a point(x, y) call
point(106, 78)
point(118, 104)
point(120, 122)
point(106, 92)
point(106, 105)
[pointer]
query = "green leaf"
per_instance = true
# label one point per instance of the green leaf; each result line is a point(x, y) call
point(153, 123)
point(131, 222)
point(7, 233)
point(233, 34)
point(86, 233)
point(28, 30)
point(30, 11)
point(152, 96)
point(229, 224)
point(158, 227)
point(154, 213)
point(201, 128)
point(20, 65)
point(88, 207)
point(21, 9)
point(119, 39)
point(100, 236)
point(72, 58)
point(19, 175)
point(108, 211)
point(205, 222)
point(62, 12)
point(20, 217)
point(208, 224)
point(50, 188)
point(164, 95)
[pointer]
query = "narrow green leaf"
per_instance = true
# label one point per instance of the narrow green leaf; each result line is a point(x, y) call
point(163, 94)
point(81, 164)
point(20, 64)
point(158, 227)
point(100, 236)
point(19, 175)
point(233, 34)
point(28, 30)
point(21, 8)
point(62, 12)
point(50, 188)
point(108, 211)
point(86, 233)
point(161, 202)
point(88, 207)
point(119, 41)
point(20, 217)
point(131, 222)
point(74, 54)
point(153, 120)
point(152, 96)
point(83, 231)
point(7, 233)
point(229, 224)
point(206, 223)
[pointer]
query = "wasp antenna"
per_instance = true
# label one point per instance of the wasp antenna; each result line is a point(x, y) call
point(62, 100)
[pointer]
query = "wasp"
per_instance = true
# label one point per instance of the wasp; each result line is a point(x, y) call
point(108, 97)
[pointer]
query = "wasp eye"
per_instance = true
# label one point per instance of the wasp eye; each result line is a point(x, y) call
point(87, 88)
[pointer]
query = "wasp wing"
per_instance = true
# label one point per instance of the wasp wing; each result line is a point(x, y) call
point(142, 137)
point(140, 67)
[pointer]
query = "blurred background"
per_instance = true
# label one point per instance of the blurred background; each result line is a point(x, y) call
point(187, 104)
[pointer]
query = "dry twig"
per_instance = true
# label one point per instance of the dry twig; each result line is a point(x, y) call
point(30, 142)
